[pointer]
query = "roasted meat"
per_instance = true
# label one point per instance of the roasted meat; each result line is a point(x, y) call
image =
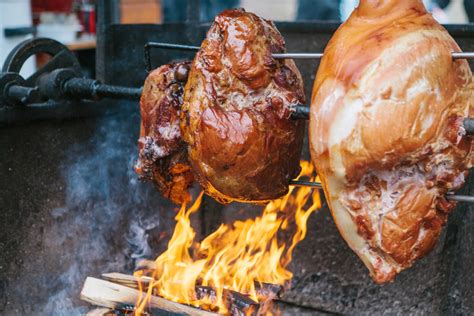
point(242, 143)
point(386, 131)
point(162, 152)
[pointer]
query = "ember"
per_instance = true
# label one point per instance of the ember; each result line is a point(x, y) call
point(239, 258)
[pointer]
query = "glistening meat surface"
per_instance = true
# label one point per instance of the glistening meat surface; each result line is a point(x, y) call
point(386, 131)
point(162, 152)
point(242, 143)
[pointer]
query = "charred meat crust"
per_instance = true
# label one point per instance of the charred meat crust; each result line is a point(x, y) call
point(242, 143)
point(162, 152)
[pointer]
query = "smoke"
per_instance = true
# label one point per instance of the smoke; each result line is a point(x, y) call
point(138, 236)
point(107, 221)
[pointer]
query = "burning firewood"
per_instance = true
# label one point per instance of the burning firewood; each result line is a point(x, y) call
point(107, 294)
point(223, 273)
point(127, 280)
point(266, 290)
point(269, 291)
point(118, 289)
point(237, 303)
point(101, 311)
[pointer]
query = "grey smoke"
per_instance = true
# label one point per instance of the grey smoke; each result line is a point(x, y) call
point(105, 222)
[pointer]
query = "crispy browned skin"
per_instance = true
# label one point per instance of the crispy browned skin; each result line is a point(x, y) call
point(386, 131)
point(162, 152)
point(242, 143)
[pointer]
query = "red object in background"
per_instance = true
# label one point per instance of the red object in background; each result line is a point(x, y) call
point(51, 5)
point(58, 6)
point(86, 15)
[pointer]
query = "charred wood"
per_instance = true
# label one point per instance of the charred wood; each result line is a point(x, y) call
point(236, 303)
point(107, 294)
point(264, 290)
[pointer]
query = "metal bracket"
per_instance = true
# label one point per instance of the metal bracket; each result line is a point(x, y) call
point(62, 57)
point(61, 78)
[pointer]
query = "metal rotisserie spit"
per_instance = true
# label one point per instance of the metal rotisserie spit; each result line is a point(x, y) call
point(72, 206)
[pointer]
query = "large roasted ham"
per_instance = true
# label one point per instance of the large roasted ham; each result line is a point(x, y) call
point(236, 117)
point(386, 131)
point(162, 156)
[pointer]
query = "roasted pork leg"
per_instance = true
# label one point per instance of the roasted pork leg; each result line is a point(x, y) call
point(236, 118)
point(386, 131)
point(162, 152)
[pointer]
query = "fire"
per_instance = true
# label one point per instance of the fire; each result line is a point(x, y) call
point(235, 257)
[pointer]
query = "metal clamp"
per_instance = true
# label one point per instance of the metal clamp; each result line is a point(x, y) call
point(61, 78)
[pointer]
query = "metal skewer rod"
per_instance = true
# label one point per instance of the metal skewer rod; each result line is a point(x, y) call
point(317, 185)
point(460, 198)
point(298, 55)
point(300, 183)
point(301, 112)
point(456, 55)
point(172, 46)
point(463, 55)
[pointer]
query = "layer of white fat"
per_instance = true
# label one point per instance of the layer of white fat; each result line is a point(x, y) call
point(427, 122)
point(345, 223)
point(459, 180)
point(158, 151)
point(342, 127)
point(390, 59)
point(373, 259)
point(343, 217)
point(346, 121)
point(331, 99)
point(346, 117)
point(169, 131)
point(365, 98)
point(422, 85)
point(396, 184)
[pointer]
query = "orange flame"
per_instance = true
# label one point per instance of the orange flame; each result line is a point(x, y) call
point(235, 257)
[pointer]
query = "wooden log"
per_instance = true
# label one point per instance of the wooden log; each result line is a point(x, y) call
point(126, 279)
point(101, 311)
point(236, 303)
point(264, 290)
point(268, 290)
point(107, 294)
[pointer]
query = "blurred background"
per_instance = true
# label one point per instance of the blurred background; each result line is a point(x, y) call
point(73, 22)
